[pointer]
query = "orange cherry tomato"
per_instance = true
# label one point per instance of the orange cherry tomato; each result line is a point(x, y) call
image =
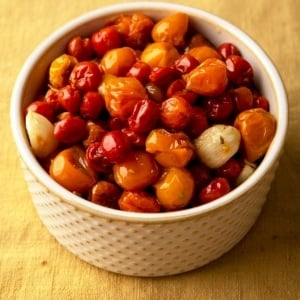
point(175, 189)
point(170, 149)
point(171, 29)
point(121, 94)
point(70, 169)
point(118, 61)
point(208, 79)
point(201, 53)
point(138, 201)
point(136, 172)
point(160, 54)
point(257, 128)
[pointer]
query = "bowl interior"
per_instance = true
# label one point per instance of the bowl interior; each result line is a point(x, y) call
point(34, 72)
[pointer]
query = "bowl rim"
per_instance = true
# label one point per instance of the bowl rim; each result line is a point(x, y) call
point(66, 196)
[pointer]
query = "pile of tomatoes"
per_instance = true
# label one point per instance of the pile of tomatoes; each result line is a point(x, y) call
point(149, 116)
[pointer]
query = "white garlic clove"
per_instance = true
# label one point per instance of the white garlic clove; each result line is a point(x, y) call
point(246, 172)
point(40, 132)
point(217, 144)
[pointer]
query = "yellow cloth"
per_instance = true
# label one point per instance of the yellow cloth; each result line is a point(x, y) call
point(265, 265)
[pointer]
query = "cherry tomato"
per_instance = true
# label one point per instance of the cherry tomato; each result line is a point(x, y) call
point(71, 163)
point(115, 146)
point(106, 39)
point(140, 71)
point(96, 159)
point(208, 79)
point(86, 76)
point(175, 112)
point(70, 130)
point(105, 193)
point(43, 108)
point(144, 116)
point(80, 48)
point(239, 70)
point(92, 105)
point(69, 98)
point(227, 49)
point(137, 171)
point(197, 123)
point(175, 188)
point(218, 109)
point(217, 188)
point(138, 201)
point(186, 63)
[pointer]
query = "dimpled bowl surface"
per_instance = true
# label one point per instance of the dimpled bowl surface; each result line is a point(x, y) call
point(147, 244)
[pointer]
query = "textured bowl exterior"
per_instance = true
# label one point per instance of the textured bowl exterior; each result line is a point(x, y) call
point(146, 249)
point(147, 244)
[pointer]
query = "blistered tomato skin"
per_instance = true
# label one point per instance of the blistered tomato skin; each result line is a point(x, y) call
point(171, 29)
point(257, 128)
point(140, 71)
point(92, 105)
point(148, 115)
point(86, 76)
point(208, 79)
point(160, 54)
point(121, 95)
point(175, 112)
point(80, 48)
point(96, 159)
point(169, 149)
point(138, 201)
point(136, 172)
point(60, 69)
point(175, 188)
point(144, 116)
point(115, 146)
point(106, 39)
point(105, 193)
point(71, 163)
point(201, 53)
point(69, 98)
point(118, 61)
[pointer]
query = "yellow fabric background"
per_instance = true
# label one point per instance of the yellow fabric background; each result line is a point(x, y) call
point(265, 265)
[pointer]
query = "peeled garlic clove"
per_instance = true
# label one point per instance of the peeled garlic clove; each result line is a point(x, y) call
point(217, 144)
point(246, 172)
point(40, 133)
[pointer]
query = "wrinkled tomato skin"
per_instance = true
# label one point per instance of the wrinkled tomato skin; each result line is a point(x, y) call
point(86, 76)
point(106, 39)
point(144, 116)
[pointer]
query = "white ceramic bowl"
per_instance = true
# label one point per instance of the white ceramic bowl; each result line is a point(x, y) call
point(136, 243)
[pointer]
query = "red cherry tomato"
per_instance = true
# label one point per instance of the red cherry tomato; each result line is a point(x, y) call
point(69, 98)
point(92, 104)
point(86, 76)
point(70, 130)
point(144, 116)
point(217, 188)
point(239, 70)
point(106, 39)
point(115, 146)
point(81, 48)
